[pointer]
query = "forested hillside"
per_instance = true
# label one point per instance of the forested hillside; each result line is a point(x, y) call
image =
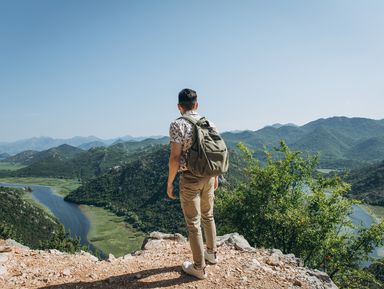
point(31, 225)
point(136, 191)
point(368, 184)
point(67, 161)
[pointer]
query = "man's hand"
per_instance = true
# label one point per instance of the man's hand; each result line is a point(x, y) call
point(216, 185)
point(170, 192)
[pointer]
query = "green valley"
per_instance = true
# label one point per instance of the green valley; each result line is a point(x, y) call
point(110, 233)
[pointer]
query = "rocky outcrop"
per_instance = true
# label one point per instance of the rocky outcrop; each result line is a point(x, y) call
point(157, 265)
point(236, 240)
point(157, 240)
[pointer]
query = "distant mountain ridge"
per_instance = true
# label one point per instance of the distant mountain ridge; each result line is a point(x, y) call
point(44, 143)
point(61, 152)
point(278, 125)
point(72, 162)
point(341, 141)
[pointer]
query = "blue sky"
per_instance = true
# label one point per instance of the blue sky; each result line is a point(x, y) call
point(112, 68)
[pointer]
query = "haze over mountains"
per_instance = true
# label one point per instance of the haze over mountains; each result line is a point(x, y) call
point(44, 143)
point(341, 142)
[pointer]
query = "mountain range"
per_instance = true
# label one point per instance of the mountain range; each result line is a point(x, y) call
point(341, 142)
point(352, 143)
point(72, 162)
point(44, 143)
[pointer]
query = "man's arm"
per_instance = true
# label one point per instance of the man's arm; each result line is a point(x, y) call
point(174, 164)
point(216, 185)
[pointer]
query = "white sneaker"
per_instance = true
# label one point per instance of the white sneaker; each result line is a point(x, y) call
point(190, 269)
point(211, 258)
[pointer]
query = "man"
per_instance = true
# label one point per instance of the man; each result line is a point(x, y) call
point(196, 193)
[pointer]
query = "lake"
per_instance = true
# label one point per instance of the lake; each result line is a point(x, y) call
point(68, 214)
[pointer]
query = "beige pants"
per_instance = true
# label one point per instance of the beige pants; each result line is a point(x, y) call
point(196, 197)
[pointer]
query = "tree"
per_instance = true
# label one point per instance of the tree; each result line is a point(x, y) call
point(61, 240)
point(286, 204)
point(6, 231)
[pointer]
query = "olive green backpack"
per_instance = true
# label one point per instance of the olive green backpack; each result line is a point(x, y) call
point(208, 155)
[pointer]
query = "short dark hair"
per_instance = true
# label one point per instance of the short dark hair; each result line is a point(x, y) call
point(187, 98)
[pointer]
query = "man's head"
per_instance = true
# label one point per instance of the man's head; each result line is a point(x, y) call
point(187, 100)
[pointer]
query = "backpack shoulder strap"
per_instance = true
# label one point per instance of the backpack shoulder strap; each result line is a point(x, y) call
point(191, 119)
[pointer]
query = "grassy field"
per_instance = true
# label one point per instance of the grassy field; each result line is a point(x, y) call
point(110, 233)
point(10, 166)
point(60, 186)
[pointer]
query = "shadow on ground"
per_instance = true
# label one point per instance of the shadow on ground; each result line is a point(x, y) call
point(131, 280)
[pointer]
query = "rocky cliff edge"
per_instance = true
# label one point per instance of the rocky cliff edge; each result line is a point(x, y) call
point(157, 265)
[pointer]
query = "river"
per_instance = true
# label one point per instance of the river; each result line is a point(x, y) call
point(68, 214)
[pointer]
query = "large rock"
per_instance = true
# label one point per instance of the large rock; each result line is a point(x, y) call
point(286, 258)
point(236, 240)
point(273, 260)
point(323, 277)
point(163, 236)
point(252, 265)
point(55, 252)
point(111, 258)
point(89, 255)
point(13, 243)
point(157, 240)
point(154, 244)
point(319, 279)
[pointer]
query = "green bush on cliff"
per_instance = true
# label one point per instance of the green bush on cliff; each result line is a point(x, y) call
point(62, 241)
point(286, 204)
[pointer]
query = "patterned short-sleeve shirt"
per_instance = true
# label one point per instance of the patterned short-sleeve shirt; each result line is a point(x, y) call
point(181, 131)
